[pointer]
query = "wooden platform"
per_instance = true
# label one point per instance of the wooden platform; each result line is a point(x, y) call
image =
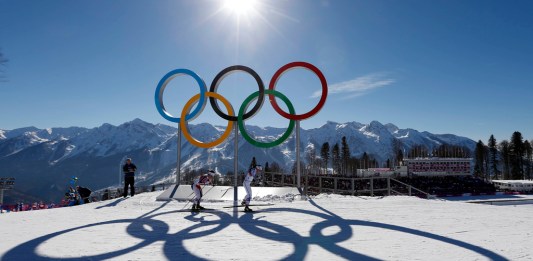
point(223, 193)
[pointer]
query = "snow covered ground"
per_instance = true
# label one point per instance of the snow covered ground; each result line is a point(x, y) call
point(327, 227)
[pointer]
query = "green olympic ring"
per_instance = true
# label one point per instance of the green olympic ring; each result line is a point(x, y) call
point(242, 128)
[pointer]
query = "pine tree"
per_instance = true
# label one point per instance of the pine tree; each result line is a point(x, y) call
point(267, 175)
point(312, 160)
point(397, 151)
point(517, 154)
point(353, 165)
point(529, 157)
point(418, 151)
point(493, 161)
point(275, 168)
point(324, 153)
point(388, 164)
point(365, 161)
point(399, 157)
point(505, 151)
point(336, 158)
point(479, 167)
point(345, 155)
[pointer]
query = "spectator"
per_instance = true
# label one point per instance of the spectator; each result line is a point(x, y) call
point(129, 177)
point(105, 196)
point(84, 193)
point(71, 197)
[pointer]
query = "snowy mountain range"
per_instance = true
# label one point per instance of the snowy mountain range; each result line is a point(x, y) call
point(44, 160)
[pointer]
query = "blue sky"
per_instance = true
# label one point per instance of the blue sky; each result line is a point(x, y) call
point(460, 67)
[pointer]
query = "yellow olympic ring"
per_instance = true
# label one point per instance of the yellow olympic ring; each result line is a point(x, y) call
point(185, 125)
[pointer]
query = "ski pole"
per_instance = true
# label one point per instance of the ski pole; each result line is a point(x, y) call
point(189, 199)
point(256, 193)
point(225, 192)
point(203, 194)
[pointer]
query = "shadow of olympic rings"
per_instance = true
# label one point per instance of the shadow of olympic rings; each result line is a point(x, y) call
point(151, 230)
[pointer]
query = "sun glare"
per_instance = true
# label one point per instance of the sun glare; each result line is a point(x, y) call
point(240, 7)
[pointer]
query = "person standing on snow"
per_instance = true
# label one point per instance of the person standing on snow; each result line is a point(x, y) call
point(205, 179)
point(252, 171)
point(84, 194)
point(129, 177)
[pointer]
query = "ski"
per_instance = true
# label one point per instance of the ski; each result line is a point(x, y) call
point(196, 210)
point(251, 205)
point(203, 209)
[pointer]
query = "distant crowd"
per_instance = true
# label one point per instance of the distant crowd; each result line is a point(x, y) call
point(72, 198)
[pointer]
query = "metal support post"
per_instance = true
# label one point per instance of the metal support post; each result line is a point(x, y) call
point(235, 166)
point(388, 185)
point(298, 183)
point(178, 162)
point(372, 187)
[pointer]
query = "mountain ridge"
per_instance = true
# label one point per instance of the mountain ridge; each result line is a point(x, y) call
point(43, 160)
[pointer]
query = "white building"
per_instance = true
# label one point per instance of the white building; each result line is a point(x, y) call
point(423, 167)
point(439, 166)
point(514, 185)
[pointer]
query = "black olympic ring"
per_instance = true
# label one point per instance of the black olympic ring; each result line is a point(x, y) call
point(221, 75)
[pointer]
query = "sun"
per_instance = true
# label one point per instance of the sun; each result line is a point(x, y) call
point(240, 7)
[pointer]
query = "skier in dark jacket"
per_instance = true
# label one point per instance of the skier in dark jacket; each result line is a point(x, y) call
point(84, 193)
point(129, 177)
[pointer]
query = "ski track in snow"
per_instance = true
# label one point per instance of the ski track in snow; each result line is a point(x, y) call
point(326, 227)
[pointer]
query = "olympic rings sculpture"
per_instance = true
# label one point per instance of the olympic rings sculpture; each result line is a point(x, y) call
point(188, 114)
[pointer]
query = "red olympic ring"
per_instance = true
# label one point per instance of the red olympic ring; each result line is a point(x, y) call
point(282, 71)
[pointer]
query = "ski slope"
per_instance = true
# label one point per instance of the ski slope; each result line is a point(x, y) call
point(327, 227)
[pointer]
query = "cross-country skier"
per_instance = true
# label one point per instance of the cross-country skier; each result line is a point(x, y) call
point(196, 186)
point(252, 171)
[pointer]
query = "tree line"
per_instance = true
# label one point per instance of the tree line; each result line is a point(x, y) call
point(507, 159)
point(504, 160)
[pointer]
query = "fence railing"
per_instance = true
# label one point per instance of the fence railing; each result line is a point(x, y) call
point(316, 184)
point(371, 186)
